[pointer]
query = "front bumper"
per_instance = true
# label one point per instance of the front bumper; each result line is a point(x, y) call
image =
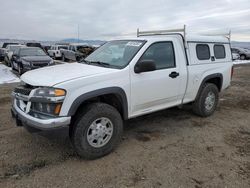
point(23, 118)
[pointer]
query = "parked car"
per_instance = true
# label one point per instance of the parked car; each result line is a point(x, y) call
point(28, 58)
point(76, 52)
point(55, 52)
point(3, 49)
point(235, 56)
point(124, 79)
point(244, 53)
point(9, 52)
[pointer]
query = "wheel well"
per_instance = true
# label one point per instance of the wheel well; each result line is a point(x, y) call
point(217, 81)
point(111, 99)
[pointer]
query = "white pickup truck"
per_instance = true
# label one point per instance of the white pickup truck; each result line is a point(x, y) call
point(124, 79)
point(55, 51)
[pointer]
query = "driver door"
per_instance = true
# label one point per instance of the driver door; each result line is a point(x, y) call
point(158, 89)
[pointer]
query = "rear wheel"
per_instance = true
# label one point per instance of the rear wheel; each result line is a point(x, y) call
point(242, 57)
point(97, 131)
point(207, 100)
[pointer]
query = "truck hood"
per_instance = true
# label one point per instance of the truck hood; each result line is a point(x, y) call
point(52, 75)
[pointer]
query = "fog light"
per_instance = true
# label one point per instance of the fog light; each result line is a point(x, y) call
point(47, 108)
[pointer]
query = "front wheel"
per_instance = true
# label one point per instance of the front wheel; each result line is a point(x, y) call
point(97, 131)
point(242, 57)
point(20, 69)
point(207, 100)
point(12, 66)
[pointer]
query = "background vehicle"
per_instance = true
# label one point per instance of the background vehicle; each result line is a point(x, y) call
point(28, 58)
point(244, 53)
point(121, 80)
point(3, 49)
point(55, 52)
point(9, 52)
point(76, 52)
point(235, 56)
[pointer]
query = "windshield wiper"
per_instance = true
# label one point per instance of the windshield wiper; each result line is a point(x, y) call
point(99, 63)
point(84, 61)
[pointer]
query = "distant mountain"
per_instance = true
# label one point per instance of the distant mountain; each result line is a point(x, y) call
point(240, 44)
point(96, 42)
point(69, 40)
point(91, 42)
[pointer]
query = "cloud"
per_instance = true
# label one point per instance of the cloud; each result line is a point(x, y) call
point(58, 19)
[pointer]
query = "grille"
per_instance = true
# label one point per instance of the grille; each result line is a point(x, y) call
point(40, 64)
point(24, 89)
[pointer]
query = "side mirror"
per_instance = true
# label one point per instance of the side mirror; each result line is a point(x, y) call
point(145, 66)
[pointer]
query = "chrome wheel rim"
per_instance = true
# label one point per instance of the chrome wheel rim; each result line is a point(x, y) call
point(210, 101)
point(100, 132)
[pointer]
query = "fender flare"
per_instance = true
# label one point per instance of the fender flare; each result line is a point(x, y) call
point(216, 75)
point(119, 92)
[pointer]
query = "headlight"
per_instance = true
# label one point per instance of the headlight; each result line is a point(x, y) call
point(49, 92)
point(51, 62)
point(25, 62)
point(47, 101)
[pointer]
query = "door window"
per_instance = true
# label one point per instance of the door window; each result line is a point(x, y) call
point(162, 53)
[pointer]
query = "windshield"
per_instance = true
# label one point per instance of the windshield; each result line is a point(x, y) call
point(14, 48)
point(116, 53)
point(32, 52)
point(63, 47)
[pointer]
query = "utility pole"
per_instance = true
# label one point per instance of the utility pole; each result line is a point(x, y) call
point(78, 32)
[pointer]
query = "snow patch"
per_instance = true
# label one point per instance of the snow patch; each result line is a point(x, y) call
point(6, 76)
point(238, 62)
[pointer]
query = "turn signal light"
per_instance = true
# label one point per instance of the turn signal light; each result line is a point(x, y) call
point(59, 92)
point(57, 109)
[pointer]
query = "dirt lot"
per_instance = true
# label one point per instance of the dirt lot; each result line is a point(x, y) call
point(171, 148)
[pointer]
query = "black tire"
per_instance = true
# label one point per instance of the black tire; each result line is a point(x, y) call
point(78, 59)
point(7, 61)
point(199, 105)
point(12, 66)
point(81, 126)
point(242, 57)
point(20, 69)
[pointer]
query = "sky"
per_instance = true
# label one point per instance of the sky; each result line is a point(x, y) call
point(107, 19)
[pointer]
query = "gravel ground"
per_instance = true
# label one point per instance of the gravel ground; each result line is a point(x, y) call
point(171, 148)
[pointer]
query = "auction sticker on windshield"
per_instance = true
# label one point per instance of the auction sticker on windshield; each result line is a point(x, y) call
point(137, 44)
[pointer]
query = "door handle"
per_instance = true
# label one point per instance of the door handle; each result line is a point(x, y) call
point(174, 74)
